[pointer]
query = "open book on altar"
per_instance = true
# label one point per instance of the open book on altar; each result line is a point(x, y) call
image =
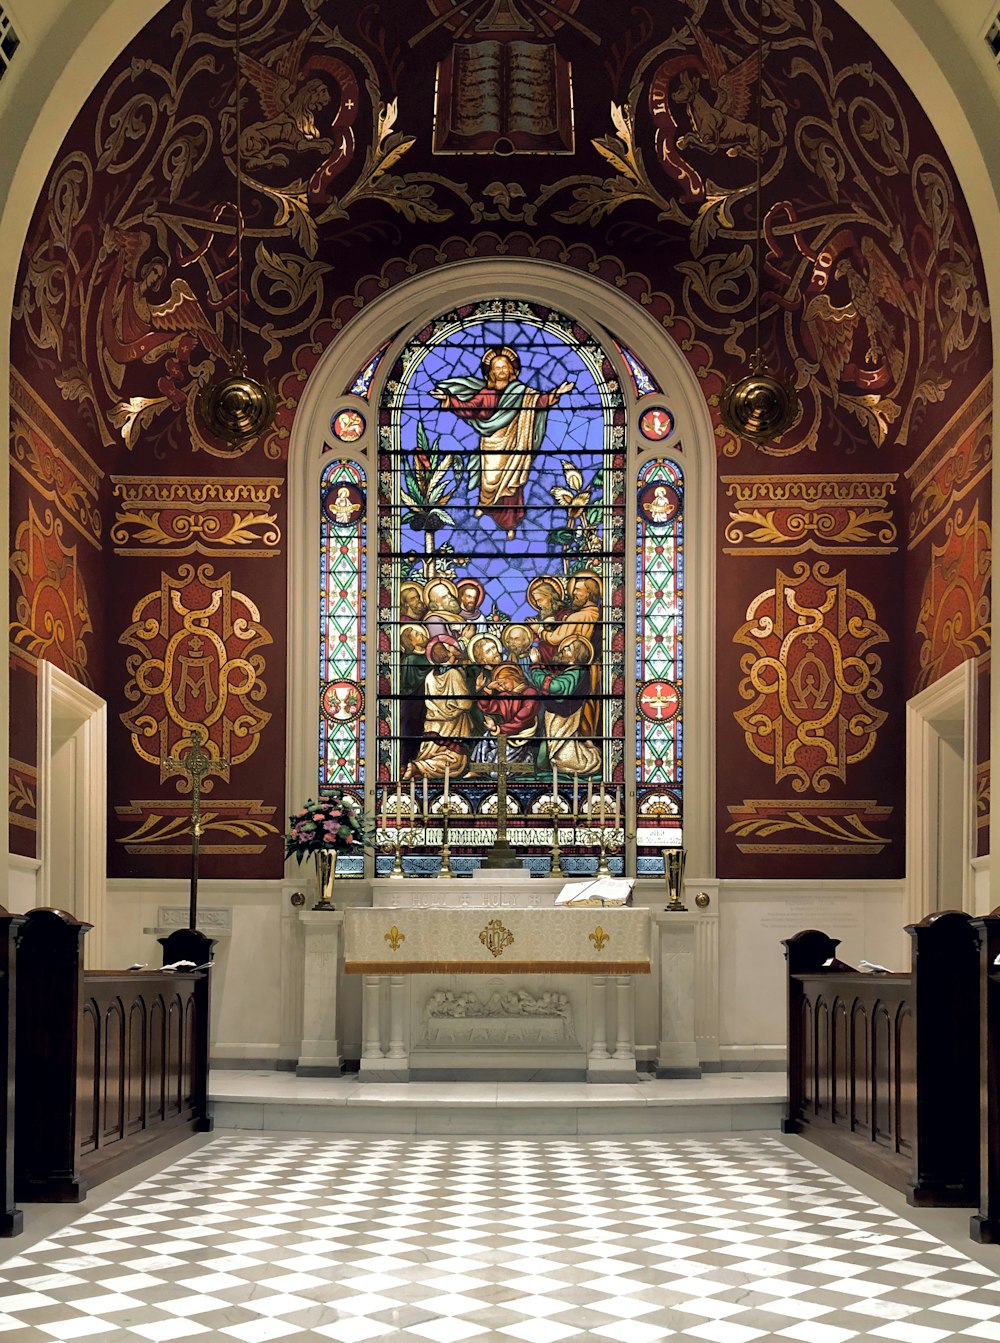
point(597, 891)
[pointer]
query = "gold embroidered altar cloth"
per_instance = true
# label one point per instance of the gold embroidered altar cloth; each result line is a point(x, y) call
point(411, 941)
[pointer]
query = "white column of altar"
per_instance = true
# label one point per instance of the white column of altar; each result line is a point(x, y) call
point(384, 1061)
point(603, 1065)
point(319, 1054)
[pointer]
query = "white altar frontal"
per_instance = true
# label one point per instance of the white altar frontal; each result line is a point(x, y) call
point(485, 979)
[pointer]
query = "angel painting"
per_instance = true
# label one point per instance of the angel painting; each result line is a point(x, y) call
point(136, 324)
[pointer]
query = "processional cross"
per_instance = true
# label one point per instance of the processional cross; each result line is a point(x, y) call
point(195, 763)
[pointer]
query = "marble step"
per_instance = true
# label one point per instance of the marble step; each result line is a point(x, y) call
point(282, 1102)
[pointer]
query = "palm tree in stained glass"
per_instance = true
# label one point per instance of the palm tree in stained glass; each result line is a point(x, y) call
point(426, 489)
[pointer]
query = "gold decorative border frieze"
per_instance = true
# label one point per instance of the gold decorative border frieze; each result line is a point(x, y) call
point(811, 826)
point(22, 795)
point(45, 453)
point(163, 825)
point(788, 515)
point(952, 464)
point(196, 515)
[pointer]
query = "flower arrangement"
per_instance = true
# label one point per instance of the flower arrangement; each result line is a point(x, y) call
point(331, 825)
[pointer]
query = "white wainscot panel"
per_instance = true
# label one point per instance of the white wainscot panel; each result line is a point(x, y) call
point(756, 916)
point(22, 883)
point(247, 999)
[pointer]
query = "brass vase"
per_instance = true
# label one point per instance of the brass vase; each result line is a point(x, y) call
point(326, 875)
point(673, 870)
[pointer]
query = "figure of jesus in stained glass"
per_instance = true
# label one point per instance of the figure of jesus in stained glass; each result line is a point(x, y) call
point(510, 421)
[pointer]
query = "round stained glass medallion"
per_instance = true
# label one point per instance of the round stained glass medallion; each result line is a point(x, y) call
point(659, 503)
point(342, 701)
point(656, 424)
point(659, 701)
point(348, 426)
point(343, 504)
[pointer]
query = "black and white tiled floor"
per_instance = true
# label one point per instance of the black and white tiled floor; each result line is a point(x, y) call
point(534, 1240)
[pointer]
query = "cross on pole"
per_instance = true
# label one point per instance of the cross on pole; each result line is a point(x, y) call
point(195, 763)
point(501, 788)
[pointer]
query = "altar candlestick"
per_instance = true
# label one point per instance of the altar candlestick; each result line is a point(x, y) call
point(447, 785)
point(603, 811)
point(555, 781)
point(413, 800)
point(399, 813)
point(425, 797)
point(385, 818)
point(590, 795)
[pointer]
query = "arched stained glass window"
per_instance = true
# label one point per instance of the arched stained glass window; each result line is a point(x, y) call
point(501, 568)
point(343, 621)
point(659, 662)
point(524, 630)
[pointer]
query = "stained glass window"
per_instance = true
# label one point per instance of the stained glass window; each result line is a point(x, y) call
point(642, 380)
point(501, 573)
point(503, 630)
point(361, 383)
point(659, 660)
point(343, 621)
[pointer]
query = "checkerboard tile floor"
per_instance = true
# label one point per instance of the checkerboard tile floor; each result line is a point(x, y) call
point(530, 1240)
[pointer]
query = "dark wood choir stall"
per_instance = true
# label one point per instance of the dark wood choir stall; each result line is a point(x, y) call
point(883, 1070)
point(103, 1068)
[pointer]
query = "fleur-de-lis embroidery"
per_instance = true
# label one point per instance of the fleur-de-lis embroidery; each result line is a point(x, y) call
point(600, 938)
point(394, 937)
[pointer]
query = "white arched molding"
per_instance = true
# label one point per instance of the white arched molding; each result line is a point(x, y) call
point(601, 310)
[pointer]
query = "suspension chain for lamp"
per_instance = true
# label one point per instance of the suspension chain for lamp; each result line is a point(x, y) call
point(238, 408)
point(758, 406)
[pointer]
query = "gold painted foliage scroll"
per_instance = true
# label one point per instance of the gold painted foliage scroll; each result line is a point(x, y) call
point(152, 297)
point(872, 294)
point(775, 515)
point(871, 288)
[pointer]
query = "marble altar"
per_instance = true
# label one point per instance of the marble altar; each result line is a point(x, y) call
point(592, 1035)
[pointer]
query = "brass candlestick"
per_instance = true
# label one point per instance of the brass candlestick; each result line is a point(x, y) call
point(605, 843)
point(673, 872)
point(552, 809)
point(398, 837)
point(445, 809)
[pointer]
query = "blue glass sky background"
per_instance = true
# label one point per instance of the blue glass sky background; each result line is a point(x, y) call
point(575, 432)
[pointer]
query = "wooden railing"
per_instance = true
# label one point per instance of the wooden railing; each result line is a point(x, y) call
point(883, 1070)
point(111, 1067)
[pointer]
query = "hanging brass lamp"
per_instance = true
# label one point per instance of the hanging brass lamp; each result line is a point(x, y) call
point(758, 405)
point(238, 408)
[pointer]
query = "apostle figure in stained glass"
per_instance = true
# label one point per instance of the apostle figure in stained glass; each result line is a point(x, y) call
point(510, 706)
point(448, 722)
point(510, 421)
point(413, 670)
point(564, 689)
